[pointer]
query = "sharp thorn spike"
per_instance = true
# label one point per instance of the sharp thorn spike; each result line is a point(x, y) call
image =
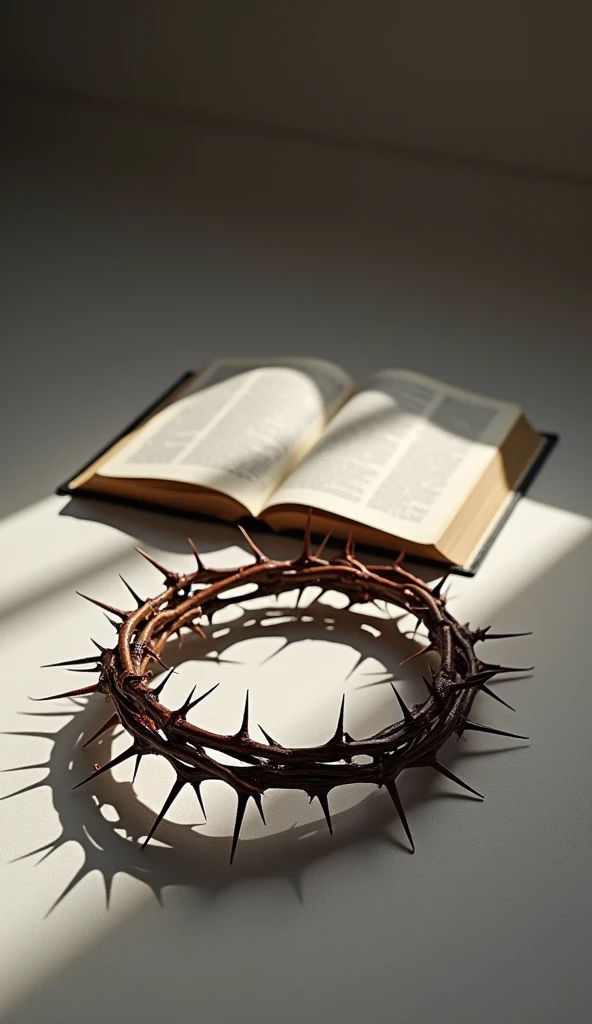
point(258, 804)
point(270, 739)
point(197, 788)
point(167, 573)
point(408, 717)
point(240, 813)
point(111, 721)
point(156, 657)
point(417, 654)
point(350, 547)
point(394, 795)
point(99, 646)
point(243, 731)
point(158, 689)
point(257, 552)
point(176, 789)
point(106, 767)
point(80, 692)
point(200, 565)
point(203, 696)
point(323, 799)
point(73, 661)
point(437, 589)
point(484, 634)
point(502, 669)
point(323, 544)
point(106, 607)
point(136, 766)
point(182, 711)
point(429, 685)
point(399, 559)
point(135, 596)
point(338, 734)
point(476, 727)
point(490, 693)
point(478, 679)
point(306, 553)
point(95, 668)
point(454, 778)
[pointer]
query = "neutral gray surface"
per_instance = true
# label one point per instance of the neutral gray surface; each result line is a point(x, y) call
point(135, 248)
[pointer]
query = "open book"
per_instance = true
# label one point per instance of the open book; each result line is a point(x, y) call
point(402, 462)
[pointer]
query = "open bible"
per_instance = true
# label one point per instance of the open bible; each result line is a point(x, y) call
point(403, 462)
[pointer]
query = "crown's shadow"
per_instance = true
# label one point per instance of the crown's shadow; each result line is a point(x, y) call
point(201, 862)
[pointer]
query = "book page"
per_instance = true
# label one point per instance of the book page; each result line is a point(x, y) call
point(240, 429)
point(401, 455)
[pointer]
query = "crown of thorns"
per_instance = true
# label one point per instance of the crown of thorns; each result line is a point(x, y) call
point(190, 599)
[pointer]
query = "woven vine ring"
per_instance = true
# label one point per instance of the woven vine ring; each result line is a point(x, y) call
point(190, 600)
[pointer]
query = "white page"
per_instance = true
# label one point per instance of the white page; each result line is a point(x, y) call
point(240, 430)
point(401, 455)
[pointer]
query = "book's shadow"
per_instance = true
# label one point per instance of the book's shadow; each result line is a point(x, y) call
point(110, 843)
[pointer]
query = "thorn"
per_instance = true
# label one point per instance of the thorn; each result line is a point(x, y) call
point(242, 799)
point(72, 661)
point(200, 565)
point(259, 556)
point(408, 717)
point(437, 589)
point(323, 544)
point(399, 559)
point(243, 732)
point(306, 553)
point(350, 547)
point(484, 634)
point(136, 766)
point(112, 721)
point(167, 573)
point(106, 767)
point(417, 654)
point(270, 739)
point(198, 700)
point(135, 596)
point(300, 593)
point(497, 669)
point(478, 679)
point(490, 693)
point(454, 778)
point(429, 685)
point(258, 804)
point(324, 802)
point(156, 657)
point(99, 646)
point(394, 795)
point(176, 789)
point(106, 607)
point(158, 689)
point(182, 711)
point(338, 734)
point(112, 622)
point(71, 693)
point(196, 787)
point(476, 727)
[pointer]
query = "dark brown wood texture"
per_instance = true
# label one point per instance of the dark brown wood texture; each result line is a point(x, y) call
point(192, 598)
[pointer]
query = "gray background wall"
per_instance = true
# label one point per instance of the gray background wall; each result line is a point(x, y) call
point(509, 81)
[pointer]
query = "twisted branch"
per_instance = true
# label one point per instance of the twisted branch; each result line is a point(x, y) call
point(192, 598)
